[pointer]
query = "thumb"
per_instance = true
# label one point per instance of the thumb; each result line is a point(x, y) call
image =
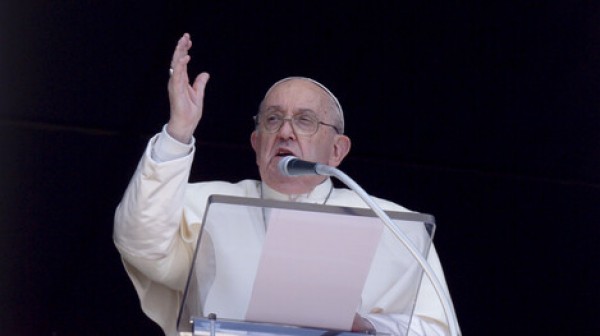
point(200, 84)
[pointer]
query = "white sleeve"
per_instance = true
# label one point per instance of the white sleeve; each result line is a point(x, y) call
point(166, 148)
point(147, 228)
point(150, 213)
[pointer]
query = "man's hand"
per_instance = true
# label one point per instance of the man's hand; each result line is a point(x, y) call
point(361, 324)
point(186, 100)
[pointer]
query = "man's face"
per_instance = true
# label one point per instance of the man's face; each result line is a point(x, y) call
point(325, 146)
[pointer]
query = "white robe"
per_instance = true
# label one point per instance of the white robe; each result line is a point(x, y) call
point(159, 218)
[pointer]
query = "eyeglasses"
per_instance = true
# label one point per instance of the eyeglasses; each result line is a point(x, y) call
point(304, 123)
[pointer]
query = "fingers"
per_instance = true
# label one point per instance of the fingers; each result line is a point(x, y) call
point(181, 49)
point(181, 57)
point(179, 70)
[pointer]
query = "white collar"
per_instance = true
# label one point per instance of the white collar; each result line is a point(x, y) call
point(320, 194)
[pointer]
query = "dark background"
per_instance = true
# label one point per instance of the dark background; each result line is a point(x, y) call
point(483, 114)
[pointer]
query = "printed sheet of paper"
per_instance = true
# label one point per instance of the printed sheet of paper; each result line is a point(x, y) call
point(313, 268)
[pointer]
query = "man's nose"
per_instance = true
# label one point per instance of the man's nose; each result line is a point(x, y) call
point(287, 129)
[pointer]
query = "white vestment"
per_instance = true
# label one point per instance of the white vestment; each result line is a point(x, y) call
point(157, 225)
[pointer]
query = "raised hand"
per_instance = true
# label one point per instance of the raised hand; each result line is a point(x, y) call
point(186, 100)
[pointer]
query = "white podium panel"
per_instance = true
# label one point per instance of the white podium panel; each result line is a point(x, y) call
point(281, 267)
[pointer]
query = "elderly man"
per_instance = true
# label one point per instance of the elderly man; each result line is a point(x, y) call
point(157, 222)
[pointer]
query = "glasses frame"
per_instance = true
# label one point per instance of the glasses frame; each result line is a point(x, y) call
point(291, 120)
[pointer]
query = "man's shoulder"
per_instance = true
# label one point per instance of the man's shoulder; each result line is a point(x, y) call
point(244, 188)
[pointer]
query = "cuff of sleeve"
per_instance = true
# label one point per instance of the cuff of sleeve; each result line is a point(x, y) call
point(166, 148)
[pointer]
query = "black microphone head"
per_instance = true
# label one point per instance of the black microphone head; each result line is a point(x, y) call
point(283, 164)
point(293, 166)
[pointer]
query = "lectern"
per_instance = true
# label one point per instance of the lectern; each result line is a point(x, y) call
point(284, 268)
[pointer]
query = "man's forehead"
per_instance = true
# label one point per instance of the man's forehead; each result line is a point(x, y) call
point(309, 82)
point(296, 88)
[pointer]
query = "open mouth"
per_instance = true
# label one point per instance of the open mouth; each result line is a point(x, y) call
point(284, 152)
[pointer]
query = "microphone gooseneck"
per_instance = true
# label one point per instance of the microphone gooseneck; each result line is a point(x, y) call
point(292, 166)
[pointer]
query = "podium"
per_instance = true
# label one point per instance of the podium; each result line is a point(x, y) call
point(284, 268)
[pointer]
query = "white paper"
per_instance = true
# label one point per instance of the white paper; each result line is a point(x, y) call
point(313, 268)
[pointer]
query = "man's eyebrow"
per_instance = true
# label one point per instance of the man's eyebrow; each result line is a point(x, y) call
point(277, 108)
point(273, 108)
point(304, 110)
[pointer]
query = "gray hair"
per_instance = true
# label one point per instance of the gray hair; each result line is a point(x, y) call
point(336, 107)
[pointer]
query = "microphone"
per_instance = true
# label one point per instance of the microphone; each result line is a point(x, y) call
point(293, 166)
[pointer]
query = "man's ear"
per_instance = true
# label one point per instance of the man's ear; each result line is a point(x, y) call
point(341, 148)
point(254, 143)
point(253, 140)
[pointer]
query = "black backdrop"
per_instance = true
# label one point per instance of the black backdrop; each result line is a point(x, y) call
point(485, 115)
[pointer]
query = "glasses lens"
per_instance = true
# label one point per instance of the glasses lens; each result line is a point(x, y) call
point(272, 122)
point(303, 123)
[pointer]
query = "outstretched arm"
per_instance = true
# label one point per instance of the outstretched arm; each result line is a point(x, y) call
point(148, 217)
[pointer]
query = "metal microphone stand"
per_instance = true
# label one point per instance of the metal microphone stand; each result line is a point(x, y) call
point(444, 299)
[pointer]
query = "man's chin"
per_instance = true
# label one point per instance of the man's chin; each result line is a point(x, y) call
point(293, 184)
point(276, 173)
